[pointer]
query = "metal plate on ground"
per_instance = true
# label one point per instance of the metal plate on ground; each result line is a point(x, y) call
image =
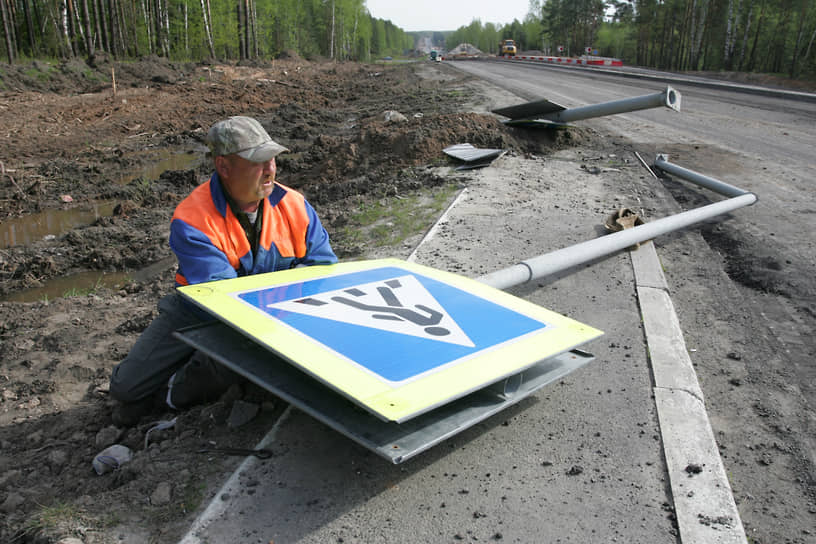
point(395, 442)
point(396, 338)
point(529, 110)
point(534, 123)
point(470, 153)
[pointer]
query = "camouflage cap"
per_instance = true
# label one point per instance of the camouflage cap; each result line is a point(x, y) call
point(243, 136)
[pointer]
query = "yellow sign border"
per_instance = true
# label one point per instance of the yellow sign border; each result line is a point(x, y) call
point(390, 402)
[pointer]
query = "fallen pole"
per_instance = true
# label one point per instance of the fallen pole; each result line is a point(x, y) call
point(561, 260)
point(725, 189)
point(547, 113)
point(669, 98)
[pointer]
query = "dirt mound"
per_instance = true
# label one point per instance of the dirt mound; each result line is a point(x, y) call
point(94, 75)
point(289, 54)
point(464, 49)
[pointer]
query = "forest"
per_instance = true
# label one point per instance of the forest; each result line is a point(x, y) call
point(769, 36)
point(196, 29)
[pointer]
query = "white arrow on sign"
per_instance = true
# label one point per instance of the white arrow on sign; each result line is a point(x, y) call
point(401, 305)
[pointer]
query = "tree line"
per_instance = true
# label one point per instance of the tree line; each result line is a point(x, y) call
point(773, 36)
point(770, 36)
point(196, 29)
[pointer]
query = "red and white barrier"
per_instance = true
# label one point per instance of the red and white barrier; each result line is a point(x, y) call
point(590, 61)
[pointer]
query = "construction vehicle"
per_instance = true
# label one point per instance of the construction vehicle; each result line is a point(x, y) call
point(507, 47)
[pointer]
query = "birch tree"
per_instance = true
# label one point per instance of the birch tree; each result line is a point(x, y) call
point(730, 33)
point(205, 14)
point(8, 25)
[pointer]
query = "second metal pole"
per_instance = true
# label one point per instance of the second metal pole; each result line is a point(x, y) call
point(561, 260)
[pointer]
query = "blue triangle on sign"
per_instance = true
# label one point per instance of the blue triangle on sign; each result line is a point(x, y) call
point(393, 322)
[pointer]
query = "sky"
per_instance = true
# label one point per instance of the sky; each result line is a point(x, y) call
point(412, 15)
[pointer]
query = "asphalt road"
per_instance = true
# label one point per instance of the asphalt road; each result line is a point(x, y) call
point(743, 286)
point(583, 460)
point(776, 129)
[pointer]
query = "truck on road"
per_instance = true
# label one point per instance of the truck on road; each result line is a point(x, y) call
point(507, 47)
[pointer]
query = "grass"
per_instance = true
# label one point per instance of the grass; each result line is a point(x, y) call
point(83, 291)
point(616, 162)
point(390, 221)
point(143, 188)
point(36, 73)
point(61, 519)
point(90, 75)
point(54, 519)
point(77, 292)
point(192, 498)
point(86, 72)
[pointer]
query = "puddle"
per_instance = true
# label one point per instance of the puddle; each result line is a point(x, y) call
point(165, 160)
point(84, 283)
point(79, 284)
point(31, 228)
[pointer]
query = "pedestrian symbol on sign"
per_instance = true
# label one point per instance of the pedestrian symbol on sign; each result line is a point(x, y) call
point(399, 304)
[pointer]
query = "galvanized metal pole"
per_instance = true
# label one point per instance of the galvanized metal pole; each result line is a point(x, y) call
point(564, 259)
point(669, 98)
point(559, 261)
point(725, 189)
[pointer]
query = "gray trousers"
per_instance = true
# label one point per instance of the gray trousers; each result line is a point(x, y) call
point(158, 360)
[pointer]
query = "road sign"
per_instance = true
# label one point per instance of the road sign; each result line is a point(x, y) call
point(396, 338)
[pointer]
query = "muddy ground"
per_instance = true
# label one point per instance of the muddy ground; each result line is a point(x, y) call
point(71, 142)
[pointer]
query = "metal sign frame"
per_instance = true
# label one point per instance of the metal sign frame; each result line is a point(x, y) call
point(395, 442)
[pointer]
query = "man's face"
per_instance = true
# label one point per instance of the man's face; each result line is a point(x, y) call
point(247, 182)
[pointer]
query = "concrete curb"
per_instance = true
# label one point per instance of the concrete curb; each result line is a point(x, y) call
point(431, 232)
point(232, 487)
point(703, 501)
